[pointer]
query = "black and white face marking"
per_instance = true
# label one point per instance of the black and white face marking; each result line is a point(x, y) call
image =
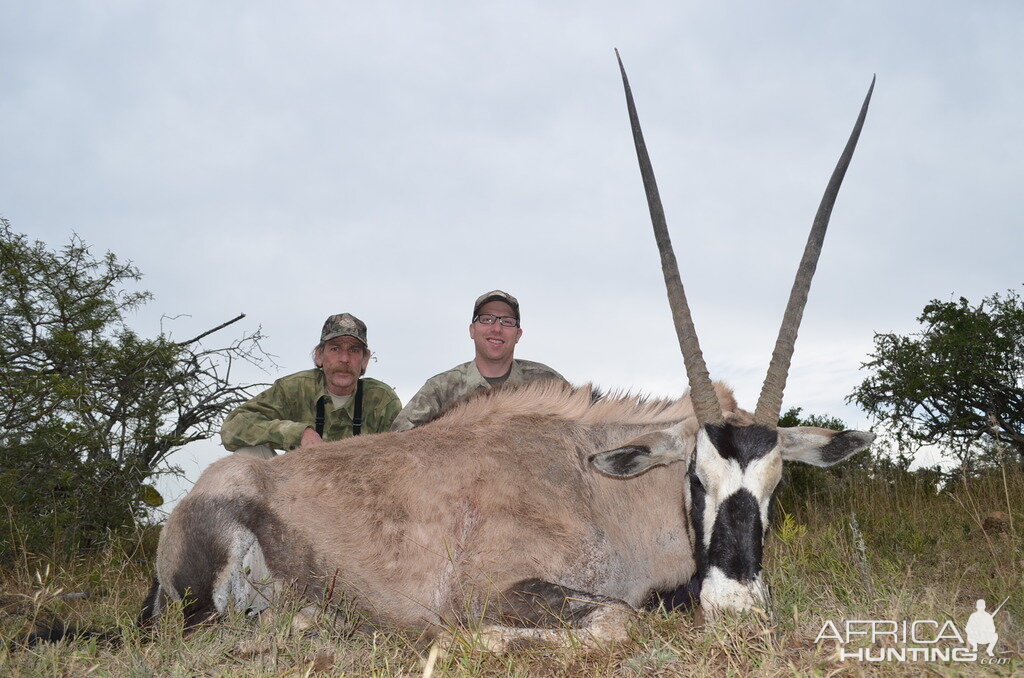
point(733, 475)
point(733, 472)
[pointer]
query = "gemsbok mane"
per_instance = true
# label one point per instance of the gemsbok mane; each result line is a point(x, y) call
point(585, 405)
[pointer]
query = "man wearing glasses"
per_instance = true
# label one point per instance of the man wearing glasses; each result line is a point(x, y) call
point(495, 332)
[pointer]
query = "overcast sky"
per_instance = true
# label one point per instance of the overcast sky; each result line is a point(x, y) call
point(293, 160)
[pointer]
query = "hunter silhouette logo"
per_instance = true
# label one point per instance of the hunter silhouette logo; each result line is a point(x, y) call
point(918, 640)
point(981, 628)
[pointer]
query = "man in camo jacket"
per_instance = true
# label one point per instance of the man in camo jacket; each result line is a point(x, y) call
point(495, 332)
point(285, 416)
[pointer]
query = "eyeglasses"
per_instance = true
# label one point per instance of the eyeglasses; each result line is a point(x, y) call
point(488, 319)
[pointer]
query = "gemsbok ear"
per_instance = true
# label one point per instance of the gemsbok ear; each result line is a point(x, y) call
point(641, 454)
point(821, 446)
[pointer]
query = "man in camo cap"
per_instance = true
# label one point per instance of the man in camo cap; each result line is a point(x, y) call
point(327, 403)
point(495, 330)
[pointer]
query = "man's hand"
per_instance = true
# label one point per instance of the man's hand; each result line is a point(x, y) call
point(310, 438)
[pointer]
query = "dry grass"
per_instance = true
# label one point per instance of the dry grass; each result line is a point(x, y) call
point(914, 554)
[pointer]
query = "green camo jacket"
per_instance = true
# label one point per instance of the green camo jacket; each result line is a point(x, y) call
point(278, 416)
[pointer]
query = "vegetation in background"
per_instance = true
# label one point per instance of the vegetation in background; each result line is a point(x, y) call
point(89, 409)
point(957, 384)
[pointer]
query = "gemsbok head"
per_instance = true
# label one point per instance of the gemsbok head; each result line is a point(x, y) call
point(735, 460)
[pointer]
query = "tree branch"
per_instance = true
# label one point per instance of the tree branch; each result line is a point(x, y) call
point(209, 332)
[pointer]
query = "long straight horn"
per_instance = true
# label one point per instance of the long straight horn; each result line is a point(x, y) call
point(702, 392)
point(770, 403)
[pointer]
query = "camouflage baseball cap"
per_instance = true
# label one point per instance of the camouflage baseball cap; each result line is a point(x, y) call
point(344, 325)
point(496, 295)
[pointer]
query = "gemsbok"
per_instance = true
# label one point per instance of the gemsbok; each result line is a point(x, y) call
point(533, 512)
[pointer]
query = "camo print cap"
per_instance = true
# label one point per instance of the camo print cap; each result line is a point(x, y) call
point(496, 295)
point(344, 325)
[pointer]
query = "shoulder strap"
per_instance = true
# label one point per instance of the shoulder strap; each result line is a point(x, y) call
point(320, 416)
point(357, 420)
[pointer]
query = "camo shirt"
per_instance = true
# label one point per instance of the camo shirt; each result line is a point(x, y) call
point(443, 389)
point(278, 416)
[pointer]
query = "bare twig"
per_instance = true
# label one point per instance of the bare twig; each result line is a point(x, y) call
point(862, 553)
point(209, 332)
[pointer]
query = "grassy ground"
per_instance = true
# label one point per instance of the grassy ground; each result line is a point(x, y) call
point(855, 548)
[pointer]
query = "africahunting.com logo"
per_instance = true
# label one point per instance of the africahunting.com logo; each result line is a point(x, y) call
point(918, 640)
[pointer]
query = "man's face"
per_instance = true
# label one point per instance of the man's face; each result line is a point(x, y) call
point(495, 343)
point(343, 359)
